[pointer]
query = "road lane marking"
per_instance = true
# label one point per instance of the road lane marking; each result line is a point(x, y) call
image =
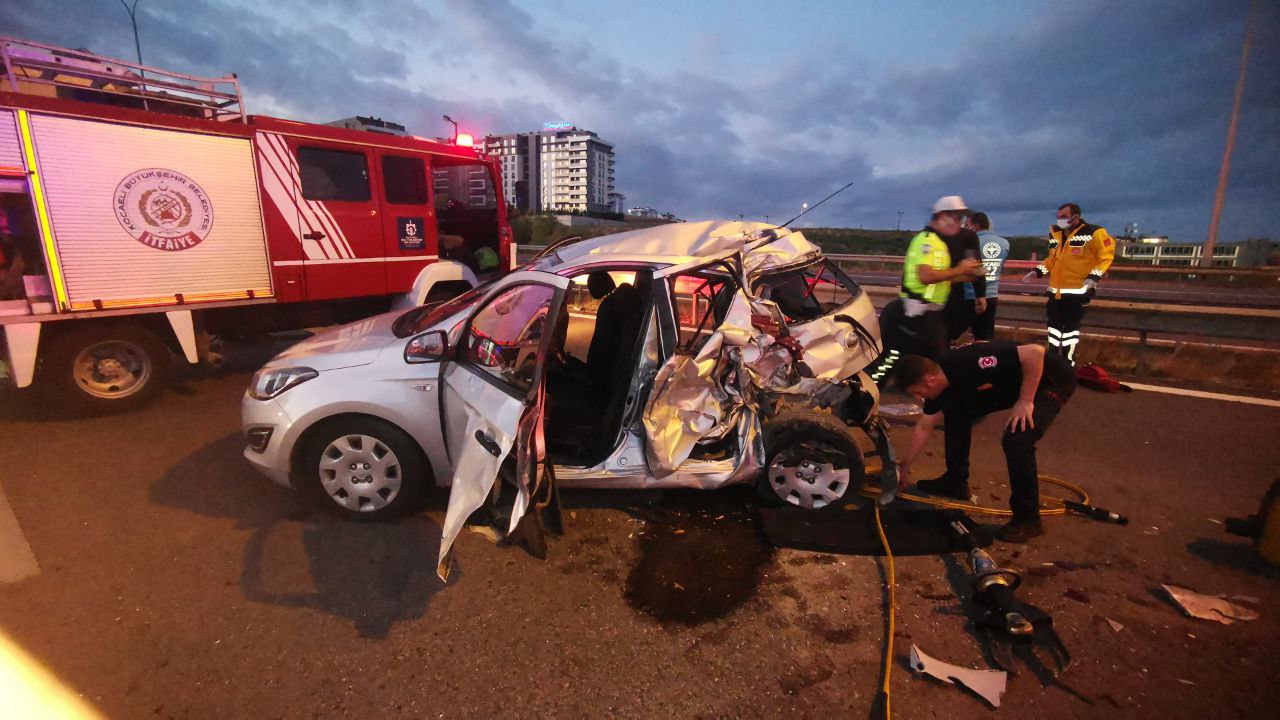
point(1206, 395)
point(16, 559)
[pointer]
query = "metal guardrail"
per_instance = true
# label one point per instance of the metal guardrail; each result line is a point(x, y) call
point(1226, 323)
point(1118, 268)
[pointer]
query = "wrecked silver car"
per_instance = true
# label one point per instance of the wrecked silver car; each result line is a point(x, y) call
point(686, 355)
point(689, 355)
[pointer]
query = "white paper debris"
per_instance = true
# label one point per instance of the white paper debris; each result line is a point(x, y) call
point(1115, 625)
point(988, 684)
point(1208, 607)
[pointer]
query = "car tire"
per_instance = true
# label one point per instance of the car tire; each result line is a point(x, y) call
point(102, 368)
point(361, 468)
point(811, 461)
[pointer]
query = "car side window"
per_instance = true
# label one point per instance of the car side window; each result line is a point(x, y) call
point(700, 299)
point(503, 337)
point(333, 175)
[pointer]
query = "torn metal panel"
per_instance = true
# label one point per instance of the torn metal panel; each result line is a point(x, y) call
point(836, 349)
point(1208, 607)
point(475, 471)
point(987, 684)
point(686, 404)
point(690, 401)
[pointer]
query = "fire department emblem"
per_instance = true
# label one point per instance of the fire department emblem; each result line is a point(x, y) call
point(163, 209)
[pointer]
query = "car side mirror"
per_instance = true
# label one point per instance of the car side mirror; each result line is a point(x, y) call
point(428, 347)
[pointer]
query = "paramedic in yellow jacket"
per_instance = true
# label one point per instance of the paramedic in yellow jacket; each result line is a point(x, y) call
point(1079, 255)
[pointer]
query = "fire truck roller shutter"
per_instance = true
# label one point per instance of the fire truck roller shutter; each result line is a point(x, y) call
point(10, 148)
point(141, 215)
point(444, 275)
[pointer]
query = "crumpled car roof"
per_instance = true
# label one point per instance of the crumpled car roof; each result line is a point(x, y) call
point(679, 242)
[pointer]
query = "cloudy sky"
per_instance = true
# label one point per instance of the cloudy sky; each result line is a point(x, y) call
point(721, 107)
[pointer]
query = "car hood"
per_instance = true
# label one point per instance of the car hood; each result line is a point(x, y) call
point(357, 343)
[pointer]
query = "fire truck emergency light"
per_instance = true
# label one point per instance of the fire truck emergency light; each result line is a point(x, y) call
point(465, 140)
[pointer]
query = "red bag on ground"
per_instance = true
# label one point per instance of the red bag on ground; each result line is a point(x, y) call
point(1096, 377)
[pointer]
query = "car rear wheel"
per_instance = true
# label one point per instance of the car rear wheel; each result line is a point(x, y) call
point(361, 468)
point(812, 461)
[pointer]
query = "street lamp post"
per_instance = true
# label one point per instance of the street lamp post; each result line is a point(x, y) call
point(133, 18)
point(455, 127)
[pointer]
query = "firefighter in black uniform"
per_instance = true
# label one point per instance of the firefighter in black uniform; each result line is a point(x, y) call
point(971, 382)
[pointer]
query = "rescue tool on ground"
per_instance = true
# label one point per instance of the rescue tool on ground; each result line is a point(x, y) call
point(1010, 625)
point(153, 215)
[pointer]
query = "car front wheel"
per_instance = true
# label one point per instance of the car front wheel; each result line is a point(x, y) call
point(361, 468)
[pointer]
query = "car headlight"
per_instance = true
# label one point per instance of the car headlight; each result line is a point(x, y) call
point(268, 383)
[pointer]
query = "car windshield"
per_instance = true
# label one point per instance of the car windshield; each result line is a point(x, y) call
point(808, 292)
point(424, 317)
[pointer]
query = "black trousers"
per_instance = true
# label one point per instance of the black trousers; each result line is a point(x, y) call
point(963, 315)
point(1065, 314)
point(984, 325)
point(925, 334)
point(1057, 383)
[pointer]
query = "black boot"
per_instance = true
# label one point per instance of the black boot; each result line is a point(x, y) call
point(945, 487)
point(1020, 530)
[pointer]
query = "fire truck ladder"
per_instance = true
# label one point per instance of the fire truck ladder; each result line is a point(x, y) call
point(51, 71)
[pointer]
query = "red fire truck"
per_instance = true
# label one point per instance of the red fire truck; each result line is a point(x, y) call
point(144, 214)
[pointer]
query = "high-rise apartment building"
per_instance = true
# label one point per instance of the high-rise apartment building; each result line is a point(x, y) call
point(370, 124)
point(518, 157)
point(555, 170)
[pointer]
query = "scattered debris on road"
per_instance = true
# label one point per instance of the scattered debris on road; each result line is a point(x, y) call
point(1208, 607)
point(987, 684)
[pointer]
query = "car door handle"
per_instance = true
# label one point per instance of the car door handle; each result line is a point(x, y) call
point(488, 443)
point(313, 235)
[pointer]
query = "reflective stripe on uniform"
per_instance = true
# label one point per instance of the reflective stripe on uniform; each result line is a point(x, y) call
point(927, 249)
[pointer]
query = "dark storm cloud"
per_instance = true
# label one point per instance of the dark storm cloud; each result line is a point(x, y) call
point(1121, 107)
point(1137, 109)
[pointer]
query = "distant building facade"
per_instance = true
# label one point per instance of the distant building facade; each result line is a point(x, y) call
point(518, 160)
point(370, 124)
point(648, 213)
point(563, 169)
point(1157, 250)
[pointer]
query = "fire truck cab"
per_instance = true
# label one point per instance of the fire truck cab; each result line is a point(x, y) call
point(144, 214)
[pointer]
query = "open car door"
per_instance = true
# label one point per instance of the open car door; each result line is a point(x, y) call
point(491, 384)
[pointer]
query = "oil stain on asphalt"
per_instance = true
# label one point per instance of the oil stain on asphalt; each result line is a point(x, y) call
point(701, 557)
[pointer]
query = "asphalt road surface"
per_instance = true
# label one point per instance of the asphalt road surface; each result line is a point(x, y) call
point(174, 581)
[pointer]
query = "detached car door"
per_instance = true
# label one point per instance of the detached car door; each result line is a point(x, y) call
point(490, 383)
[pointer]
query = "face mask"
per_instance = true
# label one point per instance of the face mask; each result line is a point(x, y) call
point(1064, 223)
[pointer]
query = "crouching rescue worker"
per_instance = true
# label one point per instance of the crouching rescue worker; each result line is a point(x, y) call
point(968, 383)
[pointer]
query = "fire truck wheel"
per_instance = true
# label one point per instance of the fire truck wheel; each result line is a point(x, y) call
point(812, 462)
point(106, 368)
point(361, 468)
